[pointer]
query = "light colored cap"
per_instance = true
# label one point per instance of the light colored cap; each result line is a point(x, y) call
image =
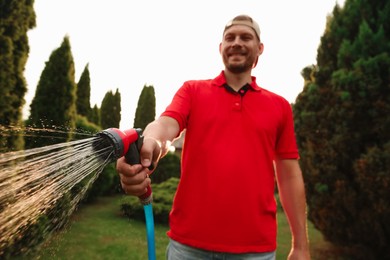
point(244, 20)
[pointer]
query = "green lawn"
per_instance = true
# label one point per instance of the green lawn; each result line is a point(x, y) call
point(98, 231)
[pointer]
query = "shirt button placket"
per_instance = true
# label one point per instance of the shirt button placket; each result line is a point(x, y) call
point(237, 103)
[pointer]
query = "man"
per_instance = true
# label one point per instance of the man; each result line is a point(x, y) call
point(238, 137)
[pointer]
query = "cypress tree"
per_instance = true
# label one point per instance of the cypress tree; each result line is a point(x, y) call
point(16, 18)
point(343, 128)
point(117, 109)
point(146, 108)
point(110, 111)
point(83, 94)
point(54, 103)
point(95, 115)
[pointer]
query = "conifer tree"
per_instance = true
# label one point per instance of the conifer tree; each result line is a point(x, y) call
point(54, 103)
point(95, 115)
point(84, 94)
point(343, 128)
point(110, 111)
point(17, 17)
point(146, 108)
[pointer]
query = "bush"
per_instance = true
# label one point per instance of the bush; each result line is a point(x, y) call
point(31, 236)
point(343, 129)
point(163, 194)
point(374, 183)
point(168, 167)
point(85, 126)
point(106, 184)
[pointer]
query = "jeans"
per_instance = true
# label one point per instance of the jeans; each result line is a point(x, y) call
point(178, 251)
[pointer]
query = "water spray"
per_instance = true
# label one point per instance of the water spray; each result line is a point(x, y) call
point(128, 143)
point(36, 182)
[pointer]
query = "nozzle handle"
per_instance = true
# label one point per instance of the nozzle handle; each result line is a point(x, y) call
point(133, 157)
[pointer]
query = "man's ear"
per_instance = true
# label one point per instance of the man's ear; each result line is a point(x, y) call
point(261, 48)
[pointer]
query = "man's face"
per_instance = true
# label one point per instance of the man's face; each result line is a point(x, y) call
point(240, 48)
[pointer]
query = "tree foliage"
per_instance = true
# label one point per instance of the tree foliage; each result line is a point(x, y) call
point(16, 18)
point(95, 115)
point(54, 103)
point(146, 108)
point(110, 111)
point(84, 94)
point(343, 127)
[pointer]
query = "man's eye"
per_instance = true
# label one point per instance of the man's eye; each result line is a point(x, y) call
point(229, 38)
point(246, 38)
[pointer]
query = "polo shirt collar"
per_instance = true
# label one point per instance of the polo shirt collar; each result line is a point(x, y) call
point(220, 81)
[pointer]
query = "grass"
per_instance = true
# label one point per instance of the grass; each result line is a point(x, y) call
point(98, 231)
point(317, 243)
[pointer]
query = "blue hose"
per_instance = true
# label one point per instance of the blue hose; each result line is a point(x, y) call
point(150, 231)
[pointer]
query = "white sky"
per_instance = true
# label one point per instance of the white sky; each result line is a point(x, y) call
point(163, 43)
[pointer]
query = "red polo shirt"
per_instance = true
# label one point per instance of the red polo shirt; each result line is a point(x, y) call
point(225, 199)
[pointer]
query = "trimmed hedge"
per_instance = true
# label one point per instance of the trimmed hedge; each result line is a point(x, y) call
point(163, 194)
point(168, 167)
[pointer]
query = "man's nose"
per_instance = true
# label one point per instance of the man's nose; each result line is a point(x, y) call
point(237, 41)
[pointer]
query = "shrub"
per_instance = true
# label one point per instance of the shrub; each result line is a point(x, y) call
point(374, 182)
point(163, 194)
point(106, 184)
point(343, 129)
point(168, 167)
point(29, 237)
point(85, 126)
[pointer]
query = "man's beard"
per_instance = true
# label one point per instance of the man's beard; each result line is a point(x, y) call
point(239, 68)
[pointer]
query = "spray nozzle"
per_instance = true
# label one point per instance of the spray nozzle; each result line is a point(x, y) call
point(126, 143)
point(116, 142)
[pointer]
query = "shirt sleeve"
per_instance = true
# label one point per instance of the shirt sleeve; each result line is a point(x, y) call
point(286, 145)
point(180, 106)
